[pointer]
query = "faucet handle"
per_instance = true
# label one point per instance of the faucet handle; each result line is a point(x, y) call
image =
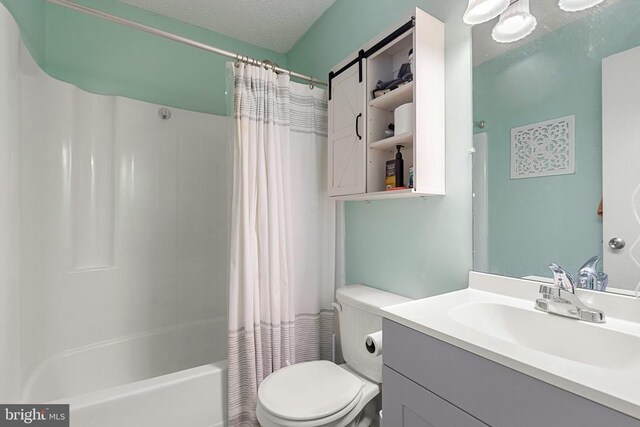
point(591, 266)
point(593, 316)
point(562, 278)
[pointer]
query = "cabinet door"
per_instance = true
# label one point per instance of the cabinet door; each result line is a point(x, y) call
point(347, 147)
point(429, 98)
point(406, 404)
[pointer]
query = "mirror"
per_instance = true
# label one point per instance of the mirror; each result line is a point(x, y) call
point(557, 144)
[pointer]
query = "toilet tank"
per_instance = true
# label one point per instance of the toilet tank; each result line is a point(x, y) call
point(361, 315)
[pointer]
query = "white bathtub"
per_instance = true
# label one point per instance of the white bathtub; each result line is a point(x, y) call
point(194, 397)
point(171, 377)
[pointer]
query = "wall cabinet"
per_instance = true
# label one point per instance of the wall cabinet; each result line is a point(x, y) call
point(358, 146)
point(427, 382)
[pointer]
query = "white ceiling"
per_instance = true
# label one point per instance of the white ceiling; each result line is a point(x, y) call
point(272, 24)
point(550, 17)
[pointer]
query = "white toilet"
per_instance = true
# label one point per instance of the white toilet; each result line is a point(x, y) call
point(323, 394)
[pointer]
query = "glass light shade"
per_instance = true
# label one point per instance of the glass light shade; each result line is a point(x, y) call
point(479, 11)
point(577, 5)
point(515, 23)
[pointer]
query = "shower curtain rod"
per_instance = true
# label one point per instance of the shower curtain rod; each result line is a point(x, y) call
point(184, 40)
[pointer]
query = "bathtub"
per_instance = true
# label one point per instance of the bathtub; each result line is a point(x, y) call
point(169, 377)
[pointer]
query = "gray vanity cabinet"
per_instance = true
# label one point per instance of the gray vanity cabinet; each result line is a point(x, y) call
point(428, 382)
point(409, 405)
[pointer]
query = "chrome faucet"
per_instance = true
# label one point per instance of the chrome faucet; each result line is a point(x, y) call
point(590, 278)
point(561, 299)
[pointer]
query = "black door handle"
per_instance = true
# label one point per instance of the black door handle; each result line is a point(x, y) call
point(357, 130)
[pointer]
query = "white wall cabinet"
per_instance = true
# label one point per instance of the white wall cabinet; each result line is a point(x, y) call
point(358, 148)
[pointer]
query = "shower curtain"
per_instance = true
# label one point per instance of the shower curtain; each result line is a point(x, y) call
point(281, 275)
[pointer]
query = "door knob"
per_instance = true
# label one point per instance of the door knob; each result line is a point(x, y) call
point(617, 243)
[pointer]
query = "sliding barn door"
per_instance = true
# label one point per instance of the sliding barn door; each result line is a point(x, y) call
point(347, 141)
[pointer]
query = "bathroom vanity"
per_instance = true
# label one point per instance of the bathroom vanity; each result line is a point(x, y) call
point(484, 357)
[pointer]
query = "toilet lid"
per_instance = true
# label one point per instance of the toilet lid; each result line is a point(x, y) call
point(308, 391)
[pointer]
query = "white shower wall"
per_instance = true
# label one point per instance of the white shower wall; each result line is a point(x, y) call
point(122, 219)
point(10, 328)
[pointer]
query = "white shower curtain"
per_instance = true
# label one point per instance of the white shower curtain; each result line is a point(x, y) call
point(281, 275)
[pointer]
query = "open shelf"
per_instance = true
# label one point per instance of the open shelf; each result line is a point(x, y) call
point(389, 144)
point(382, 195)
point(392, 100)
point(401, 44)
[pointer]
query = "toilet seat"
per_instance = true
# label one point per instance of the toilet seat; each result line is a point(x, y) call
point(309, 391)
point(318, 393)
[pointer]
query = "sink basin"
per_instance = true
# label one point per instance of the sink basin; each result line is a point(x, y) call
point(495, 318)
point(567, 338)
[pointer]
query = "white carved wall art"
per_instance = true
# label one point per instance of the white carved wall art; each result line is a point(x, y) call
point(543, 149)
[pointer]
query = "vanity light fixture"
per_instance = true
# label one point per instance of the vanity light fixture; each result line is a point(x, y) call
point(479, 11)
point(577, 5)
point(515, 23)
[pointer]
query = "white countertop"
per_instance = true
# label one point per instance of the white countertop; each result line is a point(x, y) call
point(614, 383)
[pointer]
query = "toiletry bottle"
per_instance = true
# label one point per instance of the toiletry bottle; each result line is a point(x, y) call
point(399, 169)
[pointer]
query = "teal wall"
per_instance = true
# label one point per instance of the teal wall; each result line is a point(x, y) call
point(535, 221)
point(30, 16)
point(110, 59)
point(414, 247)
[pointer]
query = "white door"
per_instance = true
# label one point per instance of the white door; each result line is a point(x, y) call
point(621, 168)
point(347, 144)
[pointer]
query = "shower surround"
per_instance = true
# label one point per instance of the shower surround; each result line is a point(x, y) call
point(114, 249)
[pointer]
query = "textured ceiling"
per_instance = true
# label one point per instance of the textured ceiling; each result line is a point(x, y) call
point(550, 17)
point(271, 24)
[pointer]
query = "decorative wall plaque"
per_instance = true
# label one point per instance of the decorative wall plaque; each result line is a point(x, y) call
point(543, 149)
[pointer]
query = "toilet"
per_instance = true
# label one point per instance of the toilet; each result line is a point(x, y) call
point(323, 394)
